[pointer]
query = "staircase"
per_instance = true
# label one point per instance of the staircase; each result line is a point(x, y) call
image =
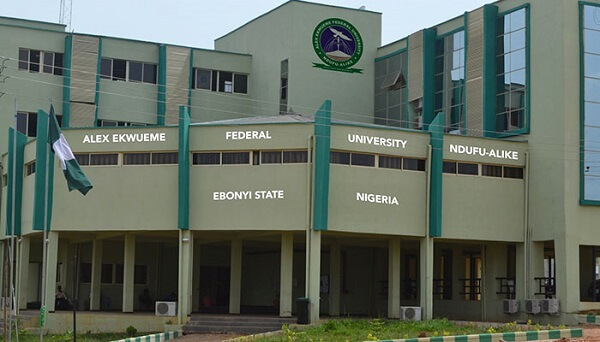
point(246, 324)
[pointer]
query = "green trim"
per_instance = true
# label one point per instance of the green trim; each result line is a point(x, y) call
point(531, 335)
point(18, 181)
point(445, 34)
point(161, 105)
point(97, 97)
point(183, 167)
point(190, 85)
point(590, 319)
point(554, 334)
point(66, 105)
point(43, 157)
point(436, 130)
point(508, 336)
point(321, 166)
point(392, 54)
point(466, 28)
point(428, 73)
point(490, 14)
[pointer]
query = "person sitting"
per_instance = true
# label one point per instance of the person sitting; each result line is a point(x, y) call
point(145, 301)
point(60, 301)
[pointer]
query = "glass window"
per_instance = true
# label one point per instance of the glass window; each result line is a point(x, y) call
point(203, 79)
point(449, 167)
point(135, 71)
point(468, 169)
point(207, 158)
point(390, 91)
point(491, 170)
point(22, 122)
point(240, 83)
point(390, 162)
point(513, 172)
point(414, 164)
point(225, 81)
point(82, 159)
point(136, 158)
point(32, 124)
point(295, 156)
point(339, 158)
point(23, 59)
point(119, 69)
point(165, 158)
point(149, 73)
point(283, 91)
point(48, 62)
point(104, 159)
point(271, 157)
point(34, 60)
point(106, 68)
point(362, 159)
point(235, 158)
point(449, 80)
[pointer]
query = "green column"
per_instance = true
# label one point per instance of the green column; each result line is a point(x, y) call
point(183, 217)
point(14, 180)
point(436, 131)
point(490, 13)
point(97, 246)
point(67, 62)
point(51, 262)
point(43, 156)
point(428, 72)
point(23, 275)
point(321, 166)
point(184, 293)
point(286, 274)
point(128, 271)
point(394, 278)
point(161, 105)
point(335, 284)
point(235, 286)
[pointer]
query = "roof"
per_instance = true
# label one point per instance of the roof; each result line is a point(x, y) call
point(260, 120)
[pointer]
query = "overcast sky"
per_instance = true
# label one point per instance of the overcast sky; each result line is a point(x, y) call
point(197, 23)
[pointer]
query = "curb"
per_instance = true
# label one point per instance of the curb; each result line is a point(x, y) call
point(588, 319)
point(496, 337)
point(154, 337)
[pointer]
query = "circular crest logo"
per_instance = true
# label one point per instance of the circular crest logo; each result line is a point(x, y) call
point(337, 43)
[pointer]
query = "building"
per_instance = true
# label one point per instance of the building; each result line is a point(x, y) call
point(451, 170)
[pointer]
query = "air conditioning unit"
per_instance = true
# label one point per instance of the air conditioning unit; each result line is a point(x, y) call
point(550, 305)
point(533, 306)
point(419, 122)
point(166, 308)
point(510, 306)
point(410, 313)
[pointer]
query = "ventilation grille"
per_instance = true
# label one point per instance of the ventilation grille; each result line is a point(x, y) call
point(178, 76)
point(84, 66)
point(474, 73)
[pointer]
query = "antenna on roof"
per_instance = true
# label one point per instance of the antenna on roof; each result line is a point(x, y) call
point(66, 10)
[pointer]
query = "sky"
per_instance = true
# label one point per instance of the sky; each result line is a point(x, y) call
point(197, 23)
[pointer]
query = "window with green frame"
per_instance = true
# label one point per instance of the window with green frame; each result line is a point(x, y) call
point(511, 71)
point(390, 90)
point(449, 80)
point(590, 74)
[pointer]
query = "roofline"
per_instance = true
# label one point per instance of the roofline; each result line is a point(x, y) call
point(34, 21)
point(285, 4)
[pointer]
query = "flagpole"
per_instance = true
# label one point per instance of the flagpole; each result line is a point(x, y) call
point(45, 235)
point(12, 226)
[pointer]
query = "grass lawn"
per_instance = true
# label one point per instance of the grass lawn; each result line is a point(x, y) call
point(351, 330)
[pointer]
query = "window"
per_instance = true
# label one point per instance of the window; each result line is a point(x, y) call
point(362, 159)
point(339, 158)
point(390, 91)
point(491, 170)
point(449, 167)
point(513, 172)
point(442, 286)
point(471, 283)
point(449, 80)
point(283, 88)
point(511, 71)
point(221, 81)
point(82, 158)
point(119, 274)
point(291, 157)
point(590, 98)
point(229, 158)
point(468, 169)
point(271, 157)
point(130, 71)
point(136, 158)
point(27, 123)
point(414, 164)
point(103, 159)
point(154, 158)
point(41, 61)
point(4, 179)
point(30, 168)
point(113, 123)
point(390, 162)
point(163, 158)
point(206, 158)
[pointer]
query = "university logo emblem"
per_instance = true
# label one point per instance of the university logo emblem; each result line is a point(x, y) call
point(338, 44)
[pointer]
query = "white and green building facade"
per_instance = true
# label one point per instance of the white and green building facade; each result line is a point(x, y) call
point(450, 170)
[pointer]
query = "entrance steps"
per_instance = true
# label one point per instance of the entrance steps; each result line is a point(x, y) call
point(243, 324)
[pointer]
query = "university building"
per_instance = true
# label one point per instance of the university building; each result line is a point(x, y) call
point(455, 171)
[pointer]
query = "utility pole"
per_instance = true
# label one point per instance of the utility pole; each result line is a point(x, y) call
point(66, 10)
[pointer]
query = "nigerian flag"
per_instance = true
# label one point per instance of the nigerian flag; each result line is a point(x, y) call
point(76, 179)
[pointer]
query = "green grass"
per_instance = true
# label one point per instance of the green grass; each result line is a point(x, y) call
point(351, 330)
point(27, 337)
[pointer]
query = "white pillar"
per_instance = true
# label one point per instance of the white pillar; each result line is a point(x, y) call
point(566, 251)
point(184, 292)
point(96, 274)
point(335, 283)
point(235, 286)
point(128, 271)
point(23, 272)
point(314, 275)
point(286, 274)
point(394, 278)
point(51, 262)
point(426, 277)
